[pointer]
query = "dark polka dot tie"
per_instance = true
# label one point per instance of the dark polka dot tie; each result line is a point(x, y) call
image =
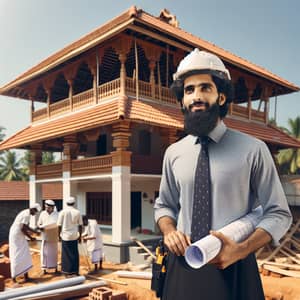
point(201, 218)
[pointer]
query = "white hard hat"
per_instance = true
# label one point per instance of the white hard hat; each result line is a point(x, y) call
point(49, 202)
point(201, 60)
point(71, 200)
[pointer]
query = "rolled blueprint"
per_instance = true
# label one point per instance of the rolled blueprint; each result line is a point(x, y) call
point(202, 251)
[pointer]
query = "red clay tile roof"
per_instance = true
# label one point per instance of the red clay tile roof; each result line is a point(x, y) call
point(169, 116)
point(19, 190)
point(149, 112)
point(95, 116)
point(121, 22)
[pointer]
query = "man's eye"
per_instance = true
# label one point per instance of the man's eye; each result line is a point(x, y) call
point(206, 88)
point(189, 89)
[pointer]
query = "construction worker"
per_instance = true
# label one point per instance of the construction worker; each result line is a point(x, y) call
point(93, 237)
point(19, 254)
point(47, 224)
point(70, 228)
point(210, 178)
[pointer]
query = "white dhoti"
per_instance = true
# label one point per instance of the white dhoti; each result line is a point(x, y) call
point(49, 247)
point(49, 255)
point(96, 256)
point(19, 254)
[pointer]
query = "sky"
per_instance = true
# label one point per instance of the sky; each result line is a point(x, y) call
point(265, 32)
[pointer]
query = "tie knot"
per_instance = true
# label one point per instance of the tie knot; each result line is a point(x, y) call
point(204, 140)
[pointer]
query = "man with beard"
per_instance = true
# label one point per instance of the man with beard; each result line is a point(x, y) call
point(212, 177)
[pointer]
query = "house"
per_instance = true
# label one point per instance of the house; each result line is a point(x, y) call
point(108, 109)
point(14, 197)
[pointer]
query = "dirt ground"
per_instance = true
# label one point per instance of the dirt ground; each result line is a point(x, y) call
point(285, 288)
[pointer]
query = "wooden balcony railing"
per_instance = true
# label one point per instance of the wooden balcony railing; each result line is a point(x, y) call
point(93, 165)
point(113, 88)
point(146, 164)
point(145, 90)
point(83, 99)
point(39, 114)
point(49, 171)
point(242, 111)
point(60, 107)
point(109, 89)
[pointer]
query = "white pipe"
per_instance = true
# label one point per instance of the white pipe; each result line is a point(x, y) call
point(62, 291)
point(132, 274)
point(41, 287)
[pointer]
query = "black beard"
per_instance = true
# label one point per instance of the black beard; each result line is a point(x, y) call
point(201, 123)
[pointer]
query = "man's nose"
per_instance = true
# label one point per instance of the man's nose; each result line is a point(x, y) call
point(197, 93)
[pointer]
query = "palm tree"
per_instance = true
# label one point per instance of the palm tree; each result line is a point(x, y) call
point(289, 159)
point(10, 167)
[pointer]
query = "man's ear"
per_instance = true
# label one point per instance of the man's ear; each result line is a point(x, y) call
point(222, 99)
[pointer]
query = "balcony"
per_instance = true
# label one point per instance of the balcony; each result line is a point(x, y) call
point(145, 90)
point(140, 164)
point(104, 91)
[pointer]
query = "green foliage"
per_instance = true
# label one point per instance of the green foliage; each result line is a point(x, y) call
point(289, 159)
point(10, 167)
point(48, 158)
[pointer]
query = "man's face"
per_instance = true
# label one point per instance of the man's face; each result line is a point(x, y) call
point(200, 93)
point(201, 103)
point(49, 209)
point(33, 211)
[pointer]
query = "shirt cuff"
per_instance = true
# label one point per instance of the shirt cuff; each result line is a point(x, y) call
point(163, 212)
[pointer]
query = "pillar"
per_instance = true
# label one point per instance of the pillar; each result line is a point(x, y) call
point(35, 189)
point(70, 148)
point(121, 191)
point(35, 196)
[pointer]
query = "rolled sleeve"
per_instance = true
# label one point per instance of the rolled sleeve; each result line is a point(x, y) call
point(277, 217)
point(167, 204)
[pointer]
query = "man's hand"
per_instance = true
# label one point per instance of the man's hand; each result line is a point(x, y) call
point(177, 242)
point(230, 251)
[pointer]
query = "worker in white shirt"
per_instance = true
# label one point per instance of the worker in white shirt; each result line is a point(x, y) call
point(70, 228)
point(47, 224)
point(19, 254)
point(93, 237)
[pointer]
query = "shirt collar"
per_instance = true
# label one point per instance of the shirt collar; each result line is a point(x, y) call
point(216, 134)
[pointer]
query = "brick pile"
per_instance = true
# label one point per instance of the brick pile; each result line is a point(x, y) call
point(4, 262)
point(105, 293)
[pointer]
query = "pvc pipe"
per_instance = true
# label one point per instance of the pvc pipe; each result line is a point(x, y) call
point(62, 291)
point(41, 287)
point(132, 274)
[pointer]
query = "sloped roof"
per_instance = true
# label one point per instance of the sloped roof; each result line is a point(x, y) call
point(95, 116)
point(131, 18)
point(19, 190)
point(150, 112)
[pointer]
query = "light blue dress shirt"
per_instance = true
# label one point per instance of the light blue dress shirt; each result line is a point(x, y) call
point(243, 175)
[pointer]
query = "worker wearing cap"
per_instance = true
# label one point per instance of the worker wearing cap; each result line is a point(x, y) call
point(210, 178)
point(47, 224)
point(70, 228)
point(19, 254)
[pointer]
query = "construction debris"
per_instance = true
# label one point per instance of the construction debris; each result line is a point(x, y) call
point(284, 259)
point(105, 293)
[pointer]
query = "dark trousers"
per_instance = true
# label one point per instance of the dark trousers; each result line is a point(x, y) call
point(69, 257)
point(240, 281)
